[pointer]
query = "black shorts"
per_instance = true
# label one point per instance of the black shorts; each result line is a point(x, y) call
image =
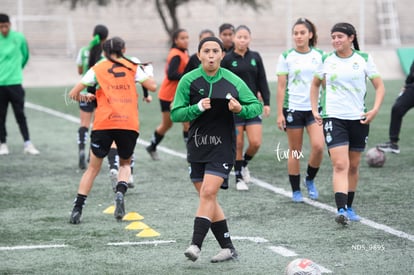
point(125, 141)
point(198, 169)
point(238, 121)
point(88, 107)
point(298, 119)
point(165, 105)
point(340, 132)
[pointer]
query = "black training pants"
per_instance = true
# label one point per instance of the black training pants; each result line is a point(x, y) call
point(404, 102)
point(13, 94)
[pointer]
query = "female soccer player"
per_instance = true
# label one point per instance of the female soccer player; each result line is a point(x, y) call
point(344, 115)
point(208, 97)
point(295, 70)
point(248, 65)
point(177, 60)
point(116, 119)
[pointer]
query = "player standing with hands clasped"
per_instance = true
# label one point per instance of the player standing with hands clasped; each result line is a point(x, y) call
point(344, 117)
point(14, 54)
point(116, 119)
point(208, 97)
point(295, 70)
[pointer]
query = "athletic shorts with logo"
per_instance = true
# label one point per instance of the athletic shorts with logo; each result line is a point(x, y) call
point(339, 132)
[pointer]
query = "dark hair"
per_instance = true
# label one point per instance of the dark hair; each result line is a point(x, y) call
point(211, 38)
point(102, 31)
point(175, 35)
point(95, 51)
point(4, 18)
point(311, 28)
point(206, 31)
point(226, 26)
point(347, 29)
point(115, 46)
point(242, 27)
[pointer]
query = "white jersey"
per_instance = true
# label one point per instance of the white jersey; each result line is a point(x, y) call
point(346, 79)
point(300, 69)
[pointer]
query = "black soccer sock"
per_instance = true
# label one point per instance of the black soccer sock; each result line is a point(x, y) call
point(82, 137)
point(132, 164)
point(311, 172)
point(341, 200)
point(201, 227)
point(155, 140)
point(122, 187)
point(237, 169)
point(294, 182)
point(113, 158)
point(79, 202)
point(246, 159)
point(351, 196)
point(221, 232)
point(185, 136)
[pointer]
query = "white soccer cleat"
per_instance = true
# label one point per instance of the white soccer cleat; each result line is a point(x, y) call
point(4, 150)
point(225, 254)
point(241, 185)
point(245, 174)
point(192, 252)
point(31, 150)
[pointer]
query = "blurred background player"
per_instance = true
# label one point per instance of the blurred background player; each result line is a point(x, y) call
point(295, 70)
point(177, 60)
point(87, 57)
point(248, 65)
point(14, 54)
point(403, 103)
point(226, 34)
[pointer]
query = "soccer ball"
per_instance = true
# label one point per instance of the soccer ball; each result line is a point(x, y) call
point(375, 157)
point(302, 267)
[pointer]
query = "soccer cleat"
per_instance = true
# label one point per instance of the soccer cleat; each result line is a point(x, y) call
point(352, 216)
point(342, 217)
point(192, 252)
point(4, 150)
point(113, 176)
point(119, 212)
point(241, 185)
point(75, 217)
point(225, 254)
point(82, 162)
point(245, 174)
point(131, 182)
point(153, 153)
point(389, 147)
point(297, 196)
point(312, 191)
point(31, 150)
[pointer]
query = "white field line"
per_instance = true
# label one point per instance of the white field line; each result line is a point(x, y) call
point(141, 243)
point(258, 182)
point(28, 247)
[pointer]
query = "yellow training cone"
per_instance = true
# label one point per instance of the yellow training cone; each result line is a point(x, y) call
point(132, 216)
point(109, 210)
point(137, 226)
point(149, 232)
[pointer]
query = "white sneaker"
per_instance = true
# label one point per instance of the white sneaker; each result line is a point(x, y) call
point(131, 181)
point(192, 252)
point(31, 150)
point(245, 174)
point(225, 254)
point(241, 185)
point(113, 176)
point(4, 150)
